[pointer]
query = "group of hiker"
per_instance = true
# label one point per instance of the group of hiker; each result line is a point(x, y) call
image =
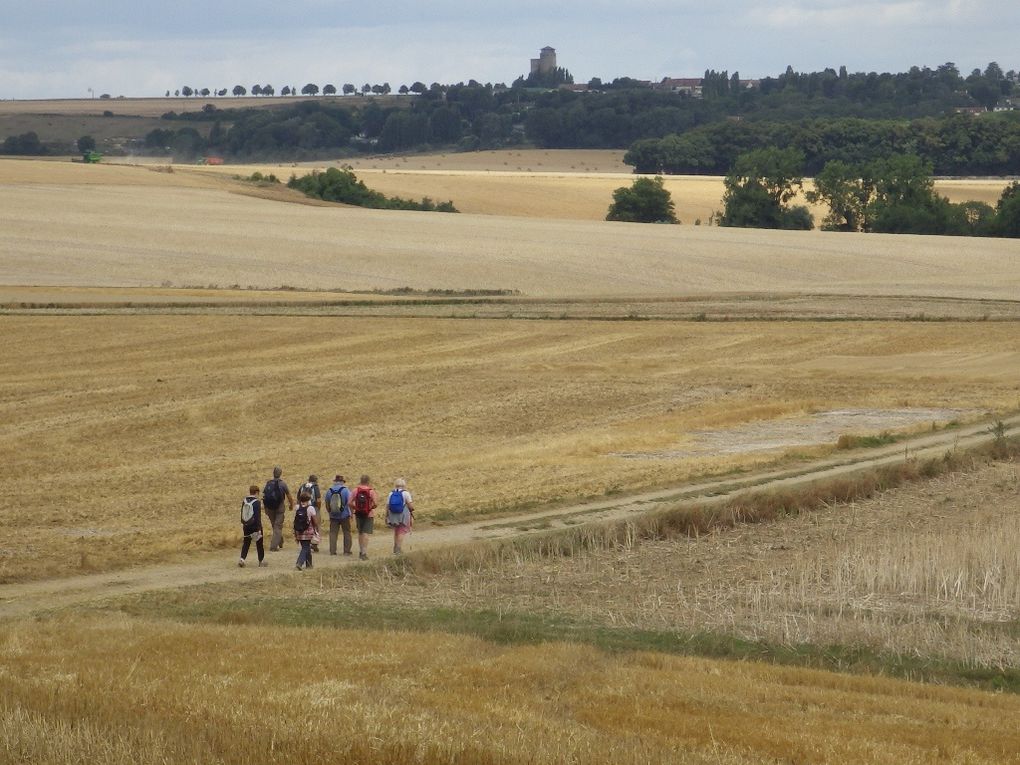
point(339, 503)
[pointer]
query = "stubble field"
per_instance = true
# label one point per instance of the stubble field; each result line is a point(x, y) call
point(128, 435)
point(96, 226)
point(157, 424)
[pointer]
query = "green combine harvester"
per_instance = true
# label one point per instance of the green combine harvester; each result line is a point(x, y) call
point(91, 157)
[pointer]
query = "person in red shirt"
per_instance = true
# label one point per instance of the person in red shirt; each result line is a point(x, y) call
point(363, 502)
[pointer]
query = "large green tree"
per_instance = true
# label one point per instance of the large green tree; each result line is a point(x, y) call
point(645, 201)
point(905, 201)
point(848, 190)
point(1007, 212)
point(760, 187)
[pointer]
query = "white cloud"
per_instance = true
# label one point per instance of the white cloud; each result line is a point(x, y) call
point(886, 15)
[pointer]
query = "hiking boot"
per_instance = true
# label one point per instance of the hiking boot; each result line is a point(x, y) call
point(363, 556)
point(300, 567)
point(240, 563)
point(263, 564)
point(348, 552)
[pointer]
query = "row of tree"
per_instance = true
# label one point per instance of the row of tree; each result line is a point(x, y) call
point(960, 144)
point(309, 128)
point(309, 89)
point(618, 114)
point(894, 195)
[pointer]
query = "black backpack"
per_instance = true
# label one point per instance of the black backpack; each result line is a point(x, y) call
point(272, 494)
point(301, 519)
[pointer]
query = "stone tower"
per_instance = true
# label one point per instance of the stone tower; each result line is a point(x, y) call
point(546, 61)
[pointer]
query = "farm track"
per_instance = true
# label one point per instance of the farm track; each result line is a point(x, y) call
point(27, 599)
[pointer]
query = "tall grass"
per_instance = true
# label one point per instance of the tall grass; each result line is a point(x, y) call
point(693, 520)
point(920, 585)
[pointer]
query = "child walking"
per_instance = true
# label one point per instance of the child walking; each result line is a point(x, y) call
point(251, 526)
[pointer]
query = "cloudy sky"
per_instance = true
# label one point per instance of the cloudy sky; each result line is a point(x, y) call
point(62, 48)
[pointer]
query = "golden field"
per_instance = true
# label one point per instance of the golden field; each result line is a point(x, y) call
point(91, 226)
point(116, 689)
point(158, 423)
point(136, 409)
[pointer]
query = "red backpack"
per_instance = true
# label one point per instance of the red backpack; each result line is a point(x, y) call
point(362, 501)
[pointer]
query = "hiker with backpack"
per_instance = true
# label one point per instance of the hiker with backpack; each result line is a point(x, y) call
point(306, 528)
point(338, 504)
point(311, 488)
point(399, 514)
point(364, 501)
point(274, 494)
point(251, 526)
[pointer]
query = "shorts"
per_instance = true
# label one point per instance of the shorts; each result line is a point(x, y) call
point(366, 523)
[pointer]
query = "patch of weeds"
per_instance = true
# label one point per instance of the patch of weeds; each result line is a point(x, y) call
point(540, 526)
point(851, 441)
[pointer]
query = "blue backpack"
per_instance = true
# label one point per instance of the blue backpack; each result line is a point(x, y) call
point(396, 502)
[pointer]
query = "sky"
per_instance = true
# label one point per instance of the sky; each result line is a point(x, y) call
point(73, 49)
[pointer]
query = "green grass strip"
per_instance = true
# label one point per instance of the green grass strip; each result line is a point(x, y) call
point(513, 628)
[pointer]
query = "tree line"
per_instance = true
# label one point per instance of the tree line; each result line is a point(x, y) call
point(826, 115)
point(959, 144)
point(894, 195)
point(854, 117)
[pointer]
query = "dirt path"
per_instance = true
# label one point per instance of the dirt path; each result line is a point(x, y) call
point(209, 568)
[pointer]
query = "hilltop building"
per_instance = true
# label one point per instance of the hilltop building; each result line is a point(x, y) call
point(546, 61)
point(694, 86)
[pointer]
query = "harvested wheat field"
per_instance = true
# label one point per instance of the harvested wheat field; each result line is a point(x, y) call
point(502, 160)
point(187, 410)
point(115, 689)
point(930, 569)
point(179, 332)
point(135, 107)
point(143, 228)
point(568, 184)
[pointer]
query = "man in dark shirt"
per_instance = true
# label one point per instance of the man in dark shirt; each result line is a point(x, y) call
point(275, 493)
